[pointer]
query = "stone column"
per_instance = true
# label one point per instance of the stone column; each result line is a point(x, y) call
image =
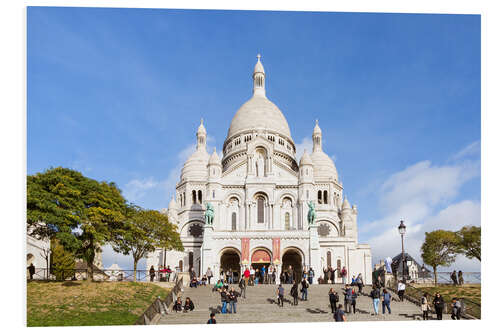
point(314, 249)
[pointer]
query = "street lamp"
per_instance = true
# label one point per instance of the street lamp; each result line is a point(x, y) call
point(402, 231)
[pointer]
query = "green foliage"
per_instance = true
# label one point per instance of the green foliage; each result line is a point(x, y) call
point(62, 262)
point(440, 248)
point(80, 212)
point(143, 231)
point(469, 238)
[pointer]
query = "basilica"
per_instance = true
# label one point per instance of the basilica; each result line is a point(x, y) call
point(260, 196)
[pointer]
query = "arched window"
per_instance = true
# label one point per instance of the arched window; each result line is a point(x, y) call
point(199, 197)
point(233, 221)
point(260, 210)
point(320, 201)
point(287, 221)
point(194, 197)
point(325, 196)
point(329, 258)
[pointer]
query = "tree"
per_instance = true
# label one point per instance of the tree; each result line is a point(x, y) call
point(469, 238)
point(143, 232)
point(45, 253)
point(63, 262)
point(81, 213)
point(439, 249)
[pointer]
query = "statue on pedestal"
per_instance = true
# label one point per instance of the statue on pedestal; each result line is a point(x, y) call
point(209, 214)
point(311, 214)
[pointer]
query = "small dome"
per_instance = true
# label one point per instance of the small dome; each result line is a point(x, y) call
point(196, 165)
point(316, 130)
point(258, 66)
point(346, 204)
point(201, 128)
point(323, 165)
point(214, 159)
point(172, 204)
point(305, 159)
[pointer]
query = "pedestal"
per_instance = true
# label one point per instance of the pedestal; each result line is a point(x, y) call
point(207, 251)
point(314, 250)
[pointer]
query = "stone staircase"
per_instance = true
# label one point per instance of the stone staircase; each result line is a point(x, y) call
point(260, 307)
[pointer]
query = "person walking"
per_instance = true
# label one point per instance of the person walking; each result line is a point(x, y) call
point(348, 298)
point(375, 296)
point(151, 274)
point(401, 290)
point(456, 310)
point(224, 298)
point(212, 319)
point(453, 277)
point(280, 295)
point(460, 278)
point(168, 272)
point(246, 275)
point(438, 305)
point(233, 300)
point(252, 275)
point(386, 301)
point(294, 292)
point(188, 305)
point(339, 314)
point(303, 290)
point(310, 275)
point(209, 274)
point(243, 287)
point(334, 298)
point(424, 305)
point(359, 281)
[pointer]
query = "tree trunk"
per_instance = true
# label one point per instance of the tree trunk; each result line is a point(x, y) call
point(435, 275)
point(135, 270)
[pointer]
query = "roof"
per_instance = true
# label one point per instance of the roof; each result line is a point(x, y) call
point(81, 265)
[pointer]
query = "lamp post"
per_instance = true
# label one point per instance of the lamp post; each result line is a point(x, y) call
point(402, 231)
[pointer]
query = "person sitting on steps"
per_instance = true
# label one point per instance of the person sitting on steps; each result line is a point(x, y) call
point(188, 305)
point(177, 305)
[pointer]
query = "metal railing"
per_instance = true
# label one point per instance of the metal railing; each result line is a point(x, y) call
point(470, 309)
point(100, 275)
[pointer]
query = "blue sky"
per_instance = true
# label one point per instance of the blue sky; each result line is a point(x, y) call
point(118, 94)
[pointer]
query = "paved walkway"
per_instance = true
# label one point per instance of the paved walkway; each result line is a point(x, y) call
point(260, 307)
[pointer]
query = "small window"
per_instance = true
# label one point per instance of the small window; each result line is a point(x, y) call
point(260, 210)
point(320, 201)
point(325, 197)
point(287, 221)
point(233, 221)
point(213, 194)
point(194, 197)
point(199, 197)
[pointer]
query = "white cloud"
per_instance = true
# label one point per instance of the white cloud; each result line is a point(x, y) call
point(471, 150)
point(137, 188)
point(305, 144)
point(422, 195)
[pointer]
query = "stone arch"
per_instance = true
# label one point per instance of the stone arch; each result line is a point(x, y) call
point(288, 195)
point(294, 257)
point(184, 232)
point(334, 229)
point(230, 259)
point(258, 251)
point(231, 195)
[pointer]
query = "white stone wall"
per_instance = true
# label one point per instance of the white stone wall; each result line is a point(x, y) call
point(34, 255)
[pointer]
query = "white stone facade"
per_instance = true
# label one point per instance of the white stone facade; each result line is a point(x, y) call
point(260, 193)
point(35, 255)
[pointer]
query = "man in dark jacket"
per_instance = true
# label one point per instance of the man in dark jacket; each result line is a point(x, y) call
point(334, 298)
point(375, 296)
point(212, 319)
point(243, 287)
point(304, 286)
point(31, 270)
point(438, 305)
point(224, 299)
point(295, 293)
point(233, 300)
point(348, 298)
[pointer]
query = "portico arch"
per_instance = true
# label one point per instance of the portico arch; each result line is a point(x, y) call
point(230, 259)
point(294, 258)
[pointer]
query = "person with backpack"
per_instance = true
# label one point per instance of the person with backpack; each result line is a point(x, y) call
point(348, 298)
point(424, 305)
point(438, 305)
point(233, 300)
point(360, 283)
point(339, 314)
point(243, 287)
point(456, 310)
point(294, 292)
point(353, 300)
point(386, 301)
point(212, 319)
point(303, 290)
point(280, 293)
point(375, 296)
point(334, 298)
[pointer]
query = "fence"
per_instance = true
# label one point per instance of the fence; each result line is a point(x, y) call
point(99, 275)
point(470, 309)
point(160, 307)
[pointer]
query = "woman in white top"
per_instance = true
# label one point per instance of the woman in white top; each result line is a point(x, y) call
point(401, 290)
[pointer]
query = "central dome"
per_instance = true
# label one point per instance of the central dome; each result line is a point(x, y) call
point(259, 112)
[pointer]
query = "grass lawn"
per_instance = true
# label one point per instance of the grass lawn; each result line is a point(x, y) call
point(471, 292)
point(82, 303)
